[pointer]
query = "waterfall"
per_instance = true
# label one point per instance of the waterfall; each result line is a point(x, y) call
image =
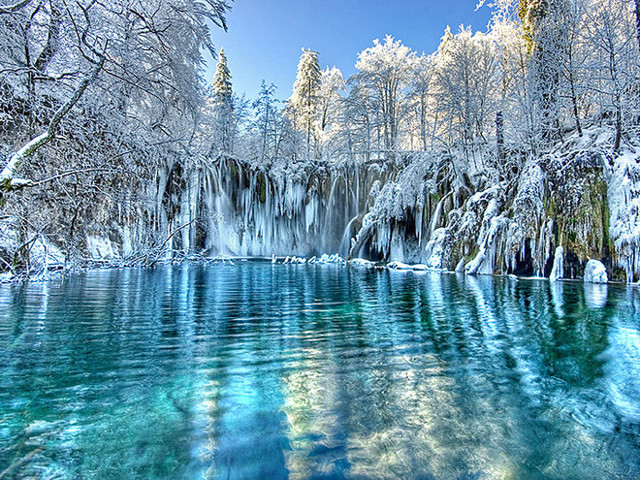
point(436, 215)
point(345, 244)
point(254, 211)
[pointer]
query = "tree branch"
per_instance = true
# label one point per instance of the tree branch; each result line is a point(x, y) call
point(17, 183)
point(15, 7)
point(16, 158)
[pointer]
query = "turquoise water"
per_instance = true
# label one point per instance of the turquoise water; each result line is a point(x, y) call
point(275, 371)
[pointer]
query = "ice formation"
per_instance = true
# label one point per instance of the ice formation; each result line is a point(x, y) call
point(624, 205)
point(595, 272)
point(417, 212)
point(420, 212)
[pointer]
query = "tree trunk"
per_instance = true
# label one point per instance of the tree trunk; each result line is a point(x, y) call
point(637, 4)
point(618, 140)
point(500, 139)
point(574, 99)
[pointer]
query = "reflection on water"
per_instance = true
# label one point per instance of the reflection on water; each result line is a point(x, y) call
point(275, 371)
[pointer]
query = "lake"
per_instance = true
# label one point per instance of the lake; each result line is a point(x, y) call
point(265, 371)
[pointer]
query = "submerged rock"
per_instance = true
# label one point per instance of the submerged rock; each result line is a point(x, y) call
point(595, 272)
point(40, 427)
point(398, 266)
point(362, 263)
point(418, 267)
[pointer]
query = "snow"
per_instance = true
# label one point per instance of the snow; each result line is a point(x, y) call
point(399, 266)
point(43, 254)
point(5, 277)
point(9, 239)
point(294, 261)
point(101, 248)
point(305, 210)
point(325, 259)
point(16, 159)
point(401, 156)
point(595, 272)
point(483, 262)
point(418, 267)
point(362, 263)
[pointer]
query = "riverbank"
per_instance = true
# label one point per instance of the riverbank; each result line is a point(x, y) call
point(57, 271)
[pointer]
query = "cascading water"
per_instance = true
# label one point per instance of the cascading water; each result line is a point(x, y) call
point(303, 212)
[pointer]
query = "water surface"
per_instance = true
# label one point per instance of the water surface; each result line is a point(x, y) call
point(277, 371)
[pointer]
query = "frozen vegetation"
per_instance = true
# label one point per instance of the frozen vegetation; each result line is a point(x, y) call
point(512, 151)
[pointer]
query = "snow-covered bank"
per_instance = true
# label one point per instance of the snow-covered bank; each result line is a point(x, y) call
point(595, 272)
point(578, 202)
point(416, 213)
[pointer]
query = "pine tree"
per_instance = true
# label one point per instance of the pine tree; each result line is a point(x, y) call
point(222, 107)
point(304, 102)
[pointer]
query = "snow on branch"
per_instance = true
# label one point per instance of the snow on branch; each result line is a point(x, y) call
point(16, 158)
point(15, 7)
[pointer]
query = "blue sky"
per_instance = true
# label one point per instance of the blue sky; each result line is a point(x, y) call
point(265, 37)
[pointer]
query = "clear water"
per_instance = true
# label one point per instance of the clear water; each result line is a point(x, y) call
point(268, 372)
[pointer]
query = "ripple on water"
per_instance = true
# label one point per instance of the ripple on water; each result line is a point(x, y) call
point(261, 371)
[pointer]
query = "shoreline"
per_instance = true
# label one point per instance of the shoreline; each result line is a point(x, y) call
point(56, 272)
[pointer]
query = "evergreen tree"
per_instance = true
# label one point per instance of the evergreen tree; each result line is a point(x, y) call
point(305, 102)
point(222, 107)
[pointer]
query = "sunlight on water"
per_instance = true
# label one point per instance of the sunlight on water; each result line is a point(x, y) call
point(279, 371)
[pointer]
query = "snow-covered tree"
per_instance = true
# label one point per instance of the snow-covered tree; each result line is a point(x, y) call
point(514, 95)
point(267, 122)
point(221, 107)
point(358, 122)
point(304, 104)
point(613, 65)
point(544, 23)
point(386, 68)
point(421, 98)
point(331, 86)
point(99, 103)
point(139, 61)
point(465, 82)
